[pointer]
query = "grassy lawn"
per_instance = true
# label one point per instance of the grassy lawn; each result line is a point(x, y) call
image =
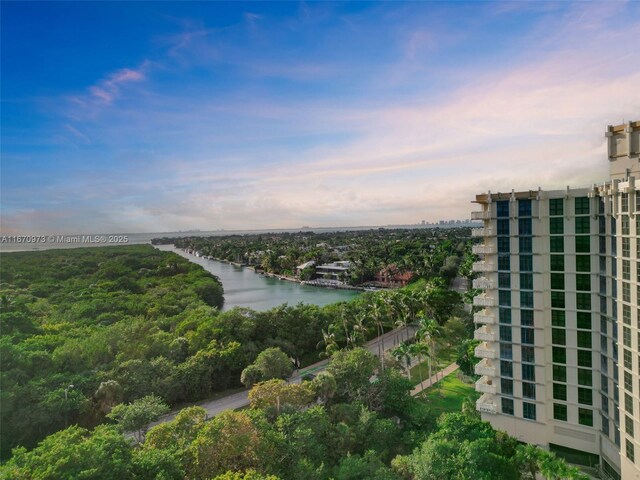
point(454, 391)
point(446, 357)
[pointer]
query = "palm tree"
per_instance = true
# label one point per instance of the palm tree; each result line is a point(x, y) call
point(403, 352)
point(428, 329)
point(419, 349)
point(329, 341)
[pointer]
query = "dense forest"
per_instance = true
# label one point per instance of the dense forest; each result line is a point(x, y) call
point(429, 253)
point(86, 329)
point(342, 425)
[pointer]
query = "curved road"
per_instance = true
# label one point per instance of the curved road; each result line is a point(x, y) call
point(241, 399)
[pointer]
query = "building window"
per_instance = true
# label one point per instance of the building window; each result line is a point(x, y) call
point(506, 368)
point(626, 270)
point(584, 358)
point(583, 301)
point(528, 372)
point(528, 355)
point(504, 262)
point(558, 336)
point(526, 318)
point(558, 318)
point(504, 280)
point(628, 403)
point(526, 281)
point(624, 220)
point(604, 383)
point(624, 204)
point(507, 406)
point(628, 382)
point(559, 412)
point(527, 336)
point(583, 225)
point(524, 226)
point(529, 390)
point(559, 373)
point(557, 244)
point(506, 351)
point(626, 247)
point(504, 315)
point(630, 450)
point(583, 244)
point(529, 410)
point(506, 386)
point(585, 417)
point(628, 359)
point(505, 333)
point(559, 391)
point(503, 226)
point(626, 336)
point(557, 281)
point(504, 244)
point(583, 283)
point(556, 206)
point(583, 320)
point(626, 314)
point(583, 263)
point(628, 426)
point(584, 339)
point(504, 298)
point(526, 263)
point(526, 299)
point(525, 245)
point(524, 208)
point(557, 263)
point(559, 355)
point(556, 225)
point(584, 377)
point(502, 208)
point(626, 292)
point(582, 206)
point(584, 396)
point(557, 299)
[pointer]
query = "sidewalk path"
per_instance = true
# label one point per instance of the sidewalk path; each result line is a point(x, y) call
point(434, 378)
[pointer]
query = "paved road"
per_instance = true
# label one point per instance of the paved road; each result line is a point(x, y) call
point(241, 399)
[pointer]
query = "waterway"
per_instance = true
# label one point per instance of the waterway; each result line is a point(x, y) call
point(245, 288)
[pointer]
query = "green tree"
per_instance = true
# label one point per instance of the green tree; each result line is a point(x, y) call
point(353, 370)
point(274, 363)
point(466, 358)
point(278, 393)
point(74, 453)
point(136, 416)
point(325, 386)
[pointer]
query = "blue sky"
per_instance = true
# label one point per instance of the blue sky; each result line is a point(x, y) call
point(143, 116)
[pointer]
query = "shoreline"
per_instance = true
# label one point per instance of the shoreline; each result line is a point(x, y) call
point(311, 283)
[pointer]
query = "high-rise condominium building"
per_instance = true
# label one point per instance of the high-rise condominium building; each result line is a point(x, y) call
point(560, 325)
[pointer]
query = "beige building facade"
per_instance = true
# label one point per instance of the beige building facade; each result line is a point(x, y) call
point(559, 320)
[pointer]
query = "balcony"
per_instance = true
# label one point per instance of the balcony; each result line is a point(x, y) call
point(481, 215)
point(483, 267)
point(484, 317)
point(485, 334)
point(481, 232)
point(482, 249)
point(482, 283)
point(484, 351)
point(484, 301)
point(485, 385)
point(486, 404)
point(486, 367)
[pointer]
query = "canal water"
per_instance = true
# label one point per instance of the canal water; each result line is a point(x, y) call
point(245, 288)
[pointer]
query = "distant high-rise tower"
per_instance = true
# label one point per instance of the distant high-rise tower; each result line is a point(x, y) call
point(560, 327)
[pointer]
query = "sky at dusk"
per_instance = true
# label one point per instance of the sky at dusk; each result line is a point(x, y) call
point(148, 117)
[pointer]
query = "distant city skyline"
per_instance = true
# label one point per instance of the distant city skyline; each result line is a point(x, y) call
point(158, 117)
